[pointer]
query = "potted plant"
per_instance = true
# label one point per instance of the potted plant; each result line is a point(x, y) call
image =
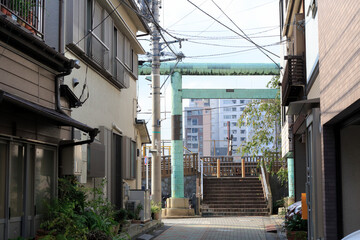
point(155, 210)
point(296, 227)
point(138, 209)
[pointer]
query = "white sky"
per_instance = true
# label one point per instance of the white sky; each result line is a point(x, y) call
point(257, 18)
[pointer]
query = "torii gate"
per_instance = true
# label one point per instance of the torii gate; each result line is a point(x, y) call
point(177, 205)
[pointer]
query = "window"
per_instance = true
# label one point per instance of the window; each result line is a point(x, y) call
point(242, 139)
point(227, 109)
point(242, 101)
point(233, 109)
point(194, 130)
point(242, 109)
point(195, 145)
point(233, 124)
point(234, 139)
point(194, 122)
point(233, 116)
point(225, 124)
point(242, 131)
point(133, 159)
point(188, 113)
point(194, 138)
point(98, 41)
point(227, 116)
point(234, 131)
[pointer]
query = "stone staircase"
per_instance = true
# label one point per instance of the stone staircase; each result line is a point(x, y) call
point(233, 196)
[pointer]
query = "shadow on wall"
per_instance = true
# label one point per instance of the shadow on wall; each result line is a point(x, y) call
point(278, 192)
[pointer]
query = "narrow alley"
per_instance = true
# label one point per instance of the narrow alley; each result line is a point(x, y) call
point(228, 228)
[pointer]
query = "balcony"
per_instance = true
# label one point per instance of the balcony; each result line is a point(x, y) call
point(28, 13)
point(121, 74)
point(98, 51)
point(293, 83)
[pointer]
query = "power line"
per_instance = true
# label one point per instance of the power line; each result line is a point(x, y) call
point(232, 30)
point(261, 5)
point(259, 47)
point(101, 22)
point(234, 46)
point(186, 15)
point(173, 30)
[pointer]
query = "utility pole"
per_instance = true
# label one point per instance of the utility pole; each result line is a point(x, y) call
point(156, 122)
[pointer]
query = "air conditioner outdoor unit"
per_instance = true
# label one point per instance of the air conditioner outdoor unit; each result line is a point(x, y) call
point(131, 205)
point(71, 160)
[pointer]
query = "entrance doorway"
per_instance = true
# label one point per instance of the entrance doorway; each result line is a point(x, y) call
point(27, 182)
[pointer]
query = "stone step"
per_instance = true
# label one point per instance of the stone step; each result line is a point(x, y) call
point(237, 206)
point(224, 202)
point(235, 210)
point(227, 187)
point(230, 189)
point(221, 214)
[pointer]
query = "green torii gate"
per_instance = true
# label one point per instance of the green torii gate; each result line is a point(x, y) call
point(177, 201)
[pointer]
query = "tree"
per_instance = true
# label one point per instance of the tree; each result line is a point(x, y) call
point(264, 119)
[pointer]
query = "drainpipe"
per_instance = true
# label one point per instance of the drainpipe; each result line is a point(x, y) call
point(92, 134)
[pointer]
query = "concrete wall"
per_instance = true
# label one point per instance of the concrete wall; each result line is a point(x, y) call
point(350, 177)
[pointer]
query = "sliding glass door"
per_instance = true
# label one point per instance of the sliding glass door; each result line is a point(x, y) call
point(27, 183)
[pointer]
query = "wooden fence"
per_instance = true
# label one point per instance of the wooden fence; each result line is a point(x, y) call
point(191, 162)
point(229, 166)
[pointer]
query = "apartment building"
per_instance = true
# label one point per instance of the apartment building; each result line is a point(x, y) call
point(320, 98)
point(206, 126)
point(102, 36)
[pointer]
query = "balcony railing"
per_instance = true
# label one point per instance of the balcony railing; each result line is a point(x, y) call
point(294, 79)
point(121, 74)
point(28, 13)
point(98, 51)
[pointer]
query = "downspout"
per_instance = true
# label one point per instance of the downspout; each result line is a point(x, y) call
point(58, 108)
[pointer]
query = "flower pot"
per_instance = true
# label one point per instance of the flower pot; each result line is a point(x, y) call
point(296, 235)
point(29, 28)
point(157, 216)
point(5, 11)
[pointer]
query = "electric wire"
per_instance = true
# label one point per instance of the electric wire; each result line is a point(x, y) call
point(231, 29)
point(182, 18)
point(172, 71)
point(259, 47)
point(101, 22)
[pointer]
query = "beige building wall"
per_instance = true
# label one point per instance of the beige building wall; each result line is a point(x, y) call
point(106, 104)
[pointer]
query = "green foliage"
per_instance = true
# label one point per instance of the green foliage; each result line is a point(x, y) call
point(155, 207)
point(264, 118)
point(138, 209)
point(121, 215)
point(71, 216)
point(296, 223)
point(282, 175)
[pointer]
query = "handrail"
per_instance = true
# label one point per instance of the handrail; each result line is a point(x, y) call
point(266, 187)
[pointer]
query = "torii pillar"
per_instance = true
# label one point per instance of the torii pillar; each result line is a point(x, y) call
point(177, 205)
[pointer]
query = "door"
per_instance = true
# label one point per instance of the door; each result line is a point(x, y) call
point(44, 181)
point(309, 151)
point(3, 172)
point(16, 190)
point(27, 183)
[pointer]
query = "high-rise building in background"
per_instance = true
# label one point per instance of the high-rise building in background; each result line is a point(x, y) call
point(206, 126)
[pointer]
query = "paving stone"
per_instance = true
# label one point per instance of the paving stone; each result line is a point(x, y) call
point(145, 237)
point(229, 228)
